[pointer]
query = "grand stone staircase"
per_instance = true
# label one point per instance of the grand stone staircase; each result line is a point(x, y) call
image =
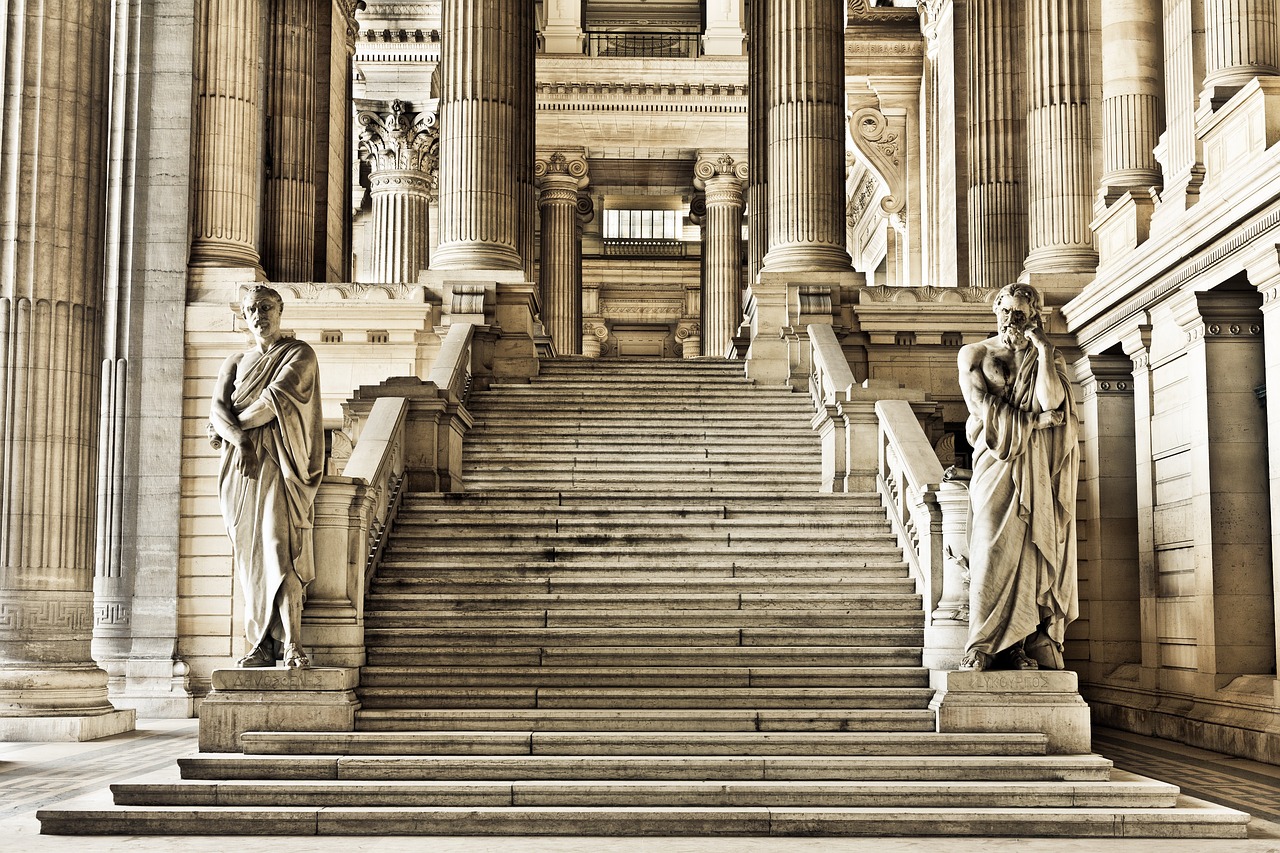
point(641, 619)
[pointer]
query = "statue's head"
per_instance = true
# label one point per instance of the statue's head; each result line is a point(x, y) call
point(261, 307)
point(1017, 308)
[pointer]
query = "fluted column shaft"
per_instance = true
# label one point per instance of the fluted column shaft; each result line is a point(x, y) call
point(806, 133)
point(1132, 94)
point(289, 204)
point(1240, 42)
point(1059, 141)
point(722, 180)
point(53, 192)
point(227, 179)
point(757, 138)
point(401, 221)
point(997, 144)
point(527, 137)
point(558, 272)
point(482, 117)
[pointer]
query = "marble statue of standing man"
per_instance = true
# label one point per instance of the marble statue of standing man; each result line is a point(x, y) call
point(266, 419)
point(1022, 539)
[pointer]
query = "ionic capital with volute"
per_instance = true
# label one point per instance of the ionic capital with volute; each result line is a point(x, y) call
point(722, 177)
point(561, 171)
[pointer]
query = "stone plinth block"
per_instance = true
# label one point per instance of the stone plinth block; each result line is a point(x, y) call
point(66, 729)
point(320, 699)
point(1013, 701)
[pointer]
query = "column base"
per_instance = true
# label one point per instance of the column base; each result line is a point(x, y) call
point(66, 729)
point(1045, 701)
point(320, 699)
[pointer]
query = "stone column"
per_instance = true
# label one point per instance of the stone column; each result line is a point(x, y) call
point(1264, 274)
point(563, 30)
point(1180, 151)
point(1240, 43)
point(398, 145)
point(757, 139)
point(997, 143)
point(289, 203)
point(482, 110)
point(806, 135)
point(1059, 139)
point(1230, 585)
point(722, 180)
point(227, 166)
point(1132, 96)
point(1108, 554)
point(526, 138)
point(723, 35)
point(52, 138)
point(560, 277)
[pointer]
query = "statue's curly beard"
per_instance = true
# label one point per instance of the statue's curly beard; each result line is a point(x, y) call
point(1013, 335)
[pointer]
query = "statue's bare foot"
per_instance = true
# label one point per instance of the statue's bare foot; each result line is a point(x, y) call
point(1018, 660)
point(261, 656)
point(975, 661)
point(295, 657)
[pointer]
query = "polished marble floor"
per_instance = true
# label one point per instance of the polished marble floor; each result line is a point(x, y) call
point(36, 775)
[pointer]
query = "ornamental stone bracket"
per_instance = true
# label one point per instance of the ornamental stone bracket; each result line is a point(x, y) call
point(879, 141)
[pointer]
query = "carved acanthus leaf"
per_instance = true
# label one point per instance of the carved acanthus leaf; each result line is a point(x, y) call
point(400, 138)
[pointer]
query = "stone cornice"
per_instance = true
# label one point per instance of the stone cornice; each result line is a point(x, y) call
point(1221, 229)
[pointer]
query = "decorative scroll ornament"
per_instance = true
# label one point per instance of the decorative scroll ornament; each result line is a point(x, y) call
point(724, 166)
point(558, 164)
point(586, 209)
point(400, 139)
point(881, 145)
point(349, 9)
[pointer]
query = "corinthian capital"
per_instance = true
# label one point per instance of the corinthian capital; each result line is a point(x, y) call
point(399, 138)
point(709, 167)
point(561, 167)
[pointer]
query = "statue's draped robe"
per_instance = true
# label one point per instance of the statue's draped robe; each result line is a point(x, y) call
point(1022, 539)
point(269, 519)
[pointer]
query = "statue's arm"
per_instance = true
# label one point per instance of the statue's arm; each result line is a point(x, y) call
point(973, 385)
point(225, 422)
point(1050, 393)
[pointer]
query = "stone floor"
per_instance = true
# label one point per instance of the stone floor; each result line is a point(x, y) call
point(35, 775)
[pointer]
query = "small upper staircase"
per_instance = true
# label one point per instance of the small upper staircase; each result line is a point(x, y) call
point(641, 618)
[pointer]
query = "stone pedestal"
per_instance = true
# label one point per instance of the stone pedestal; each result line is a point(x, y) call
point(321, 699)
point(1042, 701)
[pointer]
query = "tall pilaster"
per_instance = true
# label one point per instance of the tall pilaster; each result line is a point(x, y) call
point(53, 186)
point(1240, 43)
point(482, 111)
point(1059, 139)
point(227, 166)
point(997, 143)
point(398, 144)
point(289, 200)
point(1132, 95)
point(722, 179)
point(806, 133)
point(1180, 155)
point(757, 137)
point(559, 178)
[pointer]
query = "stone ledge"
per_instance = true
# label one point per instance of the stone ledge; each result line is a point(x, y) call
point(320, 699)
point(66, 729)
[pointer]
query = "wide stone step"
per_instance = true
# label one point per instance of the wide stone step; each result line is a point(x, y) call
point(782, 488)
point(606, 392)
point(1195, 819)
point(1125, 791)
point(646, 720)
point(642, 637)
point(675, 742)
point(749, 698)
point(662, 603)
point(471, 582)
point(843, 768)
point(416, 567)
point(670, 537)
point(639, 676)
point(389, 610)
point(394, 650)
point(671, 499)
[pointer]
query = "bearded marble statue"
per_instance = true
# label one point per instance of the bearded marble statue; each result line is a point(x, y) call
point(1022, 538)
point(266, 419)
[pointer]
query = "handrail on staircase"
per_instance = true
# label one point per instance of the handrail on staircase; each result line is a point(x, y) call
point(830, 379)
point(378, 460)
point(929, 514)
point(452, 369)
